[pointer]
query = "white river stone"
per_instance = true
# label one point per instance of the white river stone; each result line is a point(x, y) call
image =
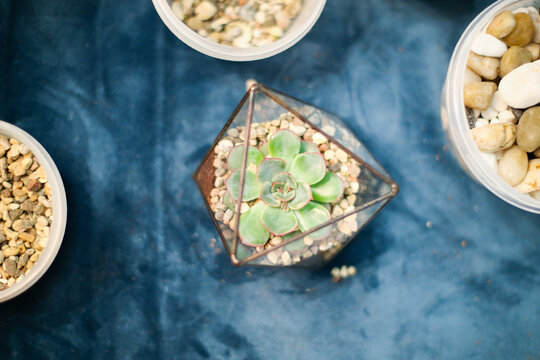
point(520, 89)
point(488, 45)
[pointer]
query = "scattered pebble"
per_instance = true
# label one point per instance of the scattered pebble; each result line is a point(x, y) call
point(343, 272)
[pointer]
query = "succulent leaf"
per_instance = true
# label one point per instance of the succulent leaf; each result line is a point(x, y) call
point(269, 167)
point(252, 186)
point(279, 222)
point(295, 245)
point(328, 189)
point(284, 144)
point(251, 230)
point(286, 178)
point(236, 156)
point(264, 149)
point(285, 196)
point(303, 196)
point(229, 202)
point(311, 216)
point(308, 147)
point(325, 205)
point(267, 197)
point(309, 167)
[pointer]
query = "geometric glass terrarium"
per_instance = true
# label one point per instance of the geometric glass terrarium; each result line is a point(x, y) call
point(288, 184)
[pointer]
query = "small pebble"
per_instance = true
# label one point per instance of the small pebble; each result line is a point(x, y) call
point(488, 45)
point(318, 138)
point(528, 130)
point(513, 165)
point(494, 137)
point(532, 178)
point(479, 95)
point(486, 67)
point(502, 25)
point(522, 33)
point(470, 76)
point(514, 58)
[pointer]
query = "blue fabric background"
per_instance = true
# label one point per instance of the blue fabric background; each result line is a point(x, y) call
point(127, 112)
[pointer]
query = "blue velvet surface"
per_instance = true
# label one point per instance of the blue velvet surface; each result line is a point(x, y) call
point(127, 112)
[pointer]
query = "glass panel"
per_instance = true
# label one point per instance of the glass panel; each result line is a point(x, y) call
point(331, 125)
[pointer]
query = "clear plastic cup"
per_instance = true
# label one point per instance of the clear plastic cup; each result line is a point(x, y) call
point(454, 119)
point(59, 207)
point(308, 16)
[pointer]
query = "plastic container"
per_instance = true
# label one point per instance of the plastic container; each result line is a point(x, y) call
point(311, 10)
point(59, 206)
point(454, 119)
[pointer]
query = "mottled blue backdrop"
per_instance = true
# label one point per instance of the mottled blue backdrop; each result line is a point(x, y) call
point(127, 111)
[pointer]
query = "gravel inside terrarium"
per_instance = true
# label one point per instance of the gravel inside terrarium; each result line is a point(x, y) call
point(338, 161)
point(26, 210)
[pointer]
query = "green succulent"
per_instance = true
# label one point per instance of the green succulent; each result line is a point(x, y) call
point(291, 185)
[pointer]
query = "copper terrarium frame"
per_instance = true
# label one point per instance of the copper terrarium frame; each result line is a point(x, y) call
point(205, 174)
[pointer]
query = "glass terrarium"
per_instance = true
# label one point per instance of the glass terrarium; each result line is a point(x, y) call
point(288, 184)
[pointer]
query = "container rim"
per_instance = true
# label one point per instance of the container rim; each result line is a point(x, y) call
point(458, 128)
point(224, 52)
point(59, 206)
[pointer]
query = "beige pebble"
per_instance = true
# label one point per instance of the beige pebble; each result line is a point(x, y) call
point(344, 272)
point(535, 16)
point(276, 240)
point(486, 67)
point(507, 116)
point(205, 10)
point(514, 58)
point(244, 208)
point(513, 165)
point(194, 24)
point(298, 130)
point(470, 76)
point(502, 24)
point(532, 179)
point(337, 211)
point(329, 154)
point(286, 258)
point(342, 155)
point(479, 95)
point(319, 138)
point(528, 130)
point(272, 257)
point(523, 33)
point(534, 49)
point(177, 9)
point(494, 137)
point(335, 272)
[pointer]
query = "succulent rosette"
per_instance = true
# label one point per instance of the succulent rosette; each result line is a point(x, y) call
point(289, 185)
